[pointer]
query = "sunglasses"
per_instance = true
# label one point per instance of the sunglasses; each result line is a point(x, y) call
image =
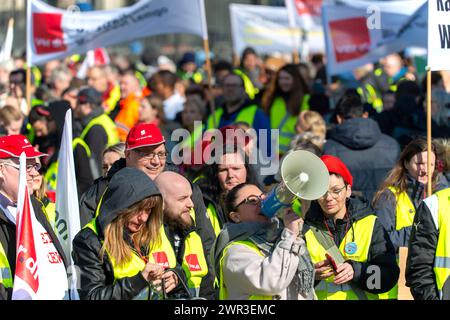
point(252, 199)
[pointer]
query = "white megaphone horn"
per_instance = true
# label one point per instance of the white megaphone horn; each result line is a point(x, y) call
point(303, 175)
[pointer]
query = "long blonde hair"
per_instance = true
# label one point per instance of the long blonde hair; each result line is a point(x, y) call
point(148, 236)
point(397, 176)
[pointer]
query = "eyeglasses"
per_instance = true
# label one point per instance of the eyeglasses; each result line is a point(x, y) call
point(334, 193)
point(29, 167)
point(150, 156)
point(252, 199)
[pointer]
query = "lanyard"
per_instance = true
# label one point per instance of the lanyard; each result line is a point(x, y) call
point(346, 230)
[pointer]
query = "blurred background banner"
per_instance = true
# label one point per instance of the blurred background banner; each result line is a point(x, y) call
point(383, 28)
point(54, 33)
point(266, 29)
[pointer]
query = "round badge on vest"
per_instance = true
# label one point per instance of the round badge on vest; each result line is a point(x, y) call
point(350, 248)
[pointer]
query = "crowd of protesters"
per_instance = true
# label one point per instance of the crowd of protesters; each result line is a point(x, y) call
point(154, 227)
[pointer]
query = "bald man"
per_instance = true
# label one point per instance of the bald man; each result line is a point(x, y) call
point(185, 230)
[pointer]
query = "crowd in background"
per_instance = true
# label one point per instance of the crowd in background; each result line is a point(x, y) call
point(371, 122)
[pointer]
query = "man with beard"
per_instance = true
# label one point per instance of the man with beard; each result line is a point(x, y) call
point(181, 239)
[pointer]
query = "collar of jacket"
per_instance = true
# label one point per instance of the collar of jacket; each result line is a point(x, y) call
point(94, 114)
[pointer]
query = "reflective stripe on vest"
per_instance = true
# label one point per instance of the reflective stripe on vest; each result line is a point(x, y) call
point(223, 293)
point(442, 255)
point(245, 115)
point(114, 97)
point(361, 234)
point(6, 278)
point(250, 89)
point(281, 119)
point(130, 269)
point(404, 211)
point(51, 174)
point(107, 124)
point(194, 261)
point(211, 212)
point(371, 97)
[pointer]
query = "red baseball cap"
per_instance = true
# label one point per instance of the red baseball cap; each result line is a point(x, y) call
point(144, 135)
point(335, 165)
point(12, 146)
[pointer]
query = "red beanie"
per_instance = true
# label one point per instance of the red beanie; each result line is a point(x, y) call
point(335, 165)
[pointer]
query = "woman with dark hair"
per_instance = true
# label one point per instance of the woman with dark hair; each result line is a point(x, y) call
point(113, 250)
point(257, 258)
point(287, 95)
point(405, 188)
point(230, 168)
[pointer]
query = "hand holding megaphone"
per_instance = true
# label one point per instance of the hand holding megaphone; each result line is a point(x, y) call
point(303, 175)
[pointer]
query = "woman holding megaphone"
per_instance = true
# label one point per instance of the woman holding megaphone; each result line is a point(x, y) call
point(353, 256)
point(257, 258)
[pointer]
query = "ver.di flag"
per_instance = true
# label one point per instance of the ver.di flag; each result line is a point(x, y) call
point(40, 273)
point(54, 33)
point(26, 277)
point(67, 209)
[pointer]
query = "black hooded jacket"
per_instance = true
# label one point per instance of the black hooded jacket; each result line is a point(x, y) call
point(90, 199)
point(381, 252)
point(368, 154)
point(97, 282)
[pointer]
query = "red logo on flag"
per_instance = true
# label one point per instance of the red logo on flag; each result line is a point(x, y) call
point(310, 7)
point(192, 262)
point(161, 259)
point(351, 39)
point(26, 263)
point(48, 35)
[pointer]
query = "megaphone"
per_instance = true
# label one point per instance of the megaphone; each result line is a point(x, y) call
point(303, 175)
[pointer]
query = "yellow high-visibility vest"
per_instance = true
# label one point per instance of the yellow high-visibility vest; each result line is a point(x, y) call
point(282, 120)
point(442, 255)
point(358, 239)
point(245, 115)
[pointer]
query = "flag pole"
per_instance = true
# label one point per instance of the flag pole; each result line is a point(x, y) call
point(429, 189)
point(208, 61)
point(28, 73)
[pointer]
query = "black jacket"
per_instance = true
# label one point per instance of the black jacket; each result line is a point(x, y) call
point(385, 209)
point(97, 282)
point(420, 276)
point(90, 199)
point(96, 138)
point(8, 241)
point(368, 154)
point(207, 284)
point(381, 251)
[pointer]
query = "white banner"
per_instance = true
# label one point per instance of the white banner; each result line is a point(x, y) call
point(68, 215)
point(439, 35)
point(267, 30)
point(382, 28)
point(67, 222)
point(54, 33)
point(5, 53)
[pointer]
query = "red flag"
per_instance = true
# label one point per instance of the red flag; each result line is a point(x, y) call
point(26, 262)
